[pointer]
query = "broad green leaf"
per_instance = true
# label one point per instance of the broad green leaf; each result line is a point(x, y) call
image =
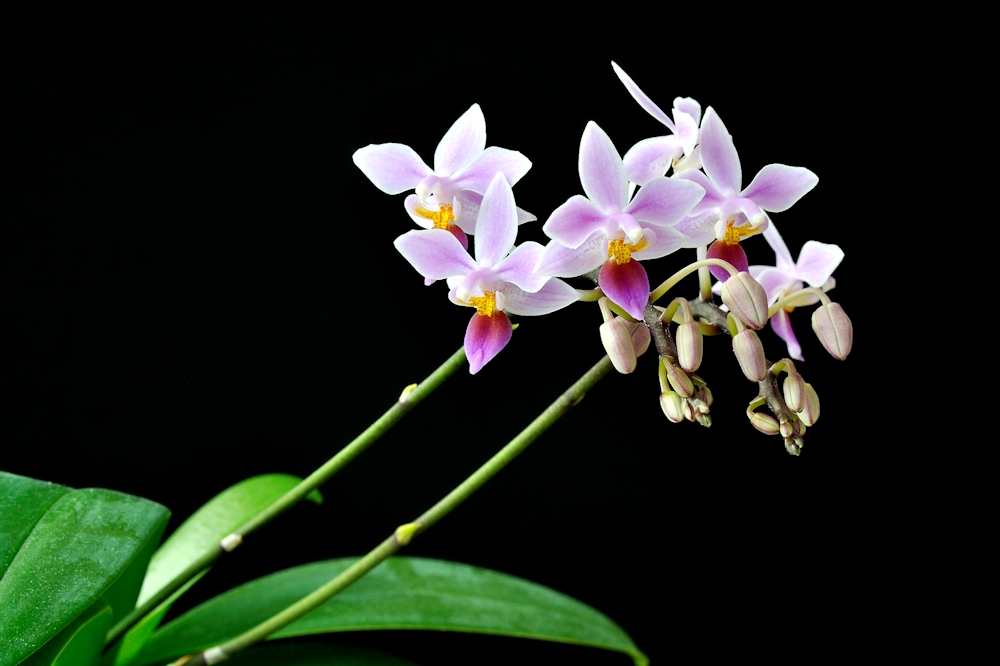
point(294, 653)
point(401, 593)
point(89, 543)
point(22, 502)
point(217, 518)
point(80, 643)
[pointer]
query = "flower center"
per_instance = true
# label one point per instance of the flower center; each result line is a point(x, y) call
point(735, 234)
point(621, 251)
point(442, 218)
point(486, 304)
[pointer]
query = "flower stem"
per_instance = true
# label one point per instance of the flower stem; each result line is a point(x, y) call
point(671, 281)
point(704, 276)
point(405, 533)
point(410, 397)
point(791, 298)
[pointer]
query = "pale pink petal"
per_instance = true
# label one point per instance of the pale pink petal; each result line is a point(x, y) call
point(777, 186)
point(652, 158)
point(435, 253)
point(477, 175)
point(496, 227)
point(719, 156)
point(781, 323)
point(462, 143)
point(554, 295)
point(410, 204)
point(665, 201)
point(659, 243)
point(781, 253)
point(466, 209)
point(561, 261)
point(817, 261)
point(574, 221)
point(518, 267)
point(713, 197)
point(627, 285)
point(700, 228)
point(392, 167)
point(524, 216)
point(602, 173)
point(774, 281)
point(484, 338)
point(688, 106)
point(644, 101)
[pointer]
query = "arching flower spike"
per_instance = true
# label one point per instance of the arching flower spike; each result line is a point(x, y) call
point(447, 197)
point(728, 213)
point(498, 281)
point(605, 230)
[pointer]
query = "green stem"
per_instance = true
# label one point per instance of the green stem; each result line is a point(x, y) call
point(405, 533)
point(411, 397)
point(704, 276)
point(669, 283)
point(791, 298)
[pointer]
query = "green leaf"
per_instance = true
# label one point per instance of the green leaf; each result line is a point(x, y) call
point(80, 643)
point(294, 653)
point(87, 544)
point(216, 519)
point(22, 502)
point(400, 593)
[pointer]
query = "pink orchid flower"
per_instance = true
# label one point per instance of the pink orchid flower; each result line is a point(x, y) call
point(498, 281)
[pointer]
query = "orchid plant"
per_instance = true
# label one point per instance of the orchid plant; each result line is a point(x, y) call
point(631, 215)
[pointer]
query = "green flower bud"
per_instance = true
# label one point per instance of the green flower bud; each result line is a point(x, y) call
point(834, 329)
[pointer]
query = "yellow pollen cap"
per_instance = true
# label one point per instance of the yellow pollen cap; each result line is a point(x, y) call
point(441, 218)
point(486, 304)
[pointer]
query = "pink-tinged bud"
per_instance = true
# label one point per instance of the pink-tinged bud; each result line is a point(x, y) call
point(809, 413)
point(640, 336)
point(750, 353)
point(833, 328)
point(705, 394)
point(766, 423)
point(672, 406)
point(786, 429)
point(679, 381)
point(746, 299)
point(617, 342)
point(689, 412)
point(689, 345)
point(794, 390)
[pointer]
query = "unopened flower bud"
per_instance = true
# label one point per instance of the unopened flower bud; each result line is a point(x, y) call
point(689, 345)
point(617, 342)
point(679, 381)
point(750, 353)
point(703, 419)
point(746, 299)
point(640, 336)
point(794, 390)
point(689, 412)
point(766, 423)
point(786, 429)
point(672, 406)
point(794, 445)
point(833, 328)
point(809, 413)
point(705, 394)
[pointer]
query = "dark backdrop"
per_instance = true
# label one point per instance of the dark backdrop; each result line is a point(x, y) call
point(202, 287)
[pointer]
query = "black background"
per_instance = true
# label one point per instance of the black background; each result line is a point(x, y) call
point(202, 287)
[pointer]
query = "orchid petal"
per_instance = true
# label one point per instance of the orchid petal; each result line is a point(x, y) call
point(777, 186)
point(524, 216)
point(463, 141)
point(734, 254)
point(466, 209)
point(435, 253)
point(700, 228)
point(602, 173)
point(644, 101)
point(817, 261)
point(665, 201)
point(574, 221)
point(713, 197)
point(627, 285)
point(519, 265)
point(496, 227)
point(477, 175)
point(484, 338)
point(392, 167)
point(652, 158)
point(690, 107)
point(774, 281)
point(659, 243)
point(562, 261)
point(554, 295)
point(718, 154)
point(782, 255)
point(781, 324)
point(410, 204)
